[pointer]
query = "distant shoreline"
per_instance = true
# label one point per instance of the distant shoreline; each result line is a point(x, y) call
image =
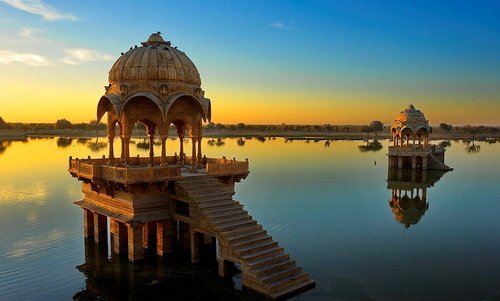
point(295, 135)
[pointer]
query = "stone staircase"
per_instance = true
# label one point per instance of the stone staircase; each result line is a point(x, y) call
point(435, 163)
point(265, 266)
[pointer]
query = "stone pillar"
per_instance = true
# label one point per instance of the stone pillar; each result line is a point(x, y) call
point(163, 149)
point(151, 148)
point(100, 228)
point(135, 251)
point(125, 148)
point(149, 235)
point(207, 239)
point(88, 223)
point(195, 247)
point(181, 154)
point(400, 162)
point(118, 237)
point(424, 162)
point(200, 155)
point(193, 154)
point(413, 162)
point(184, 236)
point(165, 235)
point(151, 135)
point(391, 162)
point(225, 267)
point(111, 150)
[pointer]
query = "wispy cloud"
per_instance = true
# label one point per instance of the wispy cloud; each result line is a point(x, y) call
point(37, 7)
point(31, 59)
point(279, 25)
point(76, 56)
point(28, 33)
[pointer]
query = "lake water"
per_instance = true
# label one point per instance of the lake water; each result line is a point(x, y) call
point(329, 206)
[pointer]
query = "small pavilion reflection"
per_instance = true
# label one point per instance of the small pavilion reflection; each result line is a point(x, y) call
point(408, 200)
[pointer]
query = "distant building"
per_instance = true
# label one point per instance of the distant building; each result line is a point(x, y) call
point(411, 149)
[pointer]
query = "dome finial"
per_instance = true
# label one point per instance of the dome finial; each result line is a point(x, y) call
point(155, 38)
point(411, 107)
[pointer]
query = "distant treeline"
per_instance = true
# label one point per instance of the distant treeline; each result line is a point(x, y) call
point(375, 126)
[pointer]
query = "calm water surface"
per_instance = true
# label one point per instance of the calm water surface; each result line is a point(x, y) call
point(327, 205)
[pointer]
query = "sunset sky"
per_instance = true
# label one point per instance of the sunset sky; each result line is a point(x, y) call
point(263, 62)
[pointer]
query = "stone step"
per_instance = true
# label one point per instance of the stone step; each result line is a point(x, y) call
point(250, 240)
point(198, 185)
point(267, 253)
point(202, 190)
point(209, 200)
point(288, 281)
point(281, 274)
point(221, 215)
point(259, 263)
point(251, 249)
point(228, 226)
point(209, 196)
point(241, 230)
point(292, 289)
point(218, 210)
point(234, 217)
point(220, 204)
point(247, 235)
point(199, 179)
point(272, 268)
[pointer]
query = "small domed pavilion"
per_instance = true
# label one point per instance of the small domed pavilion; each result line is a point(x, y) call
point(411, 148)
point(159, 204)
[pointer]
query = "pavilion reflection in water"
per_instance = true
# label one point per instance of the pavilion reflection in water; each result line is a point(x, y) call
point(409, 193)
point(115, 278)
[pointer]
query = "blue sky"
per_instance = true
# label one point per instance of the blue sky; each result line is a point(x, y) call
point(338, 56)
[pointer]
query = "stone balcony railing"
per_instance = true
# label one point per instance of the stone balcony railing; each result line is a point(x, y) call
point(140, 170)
point(109, 170)
point(415, 150)
point(224, 167)
point(409, 150)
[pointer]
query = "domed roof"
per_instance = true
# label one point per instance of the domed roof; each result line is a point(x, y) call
point(155, 60)
point(412, 118)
